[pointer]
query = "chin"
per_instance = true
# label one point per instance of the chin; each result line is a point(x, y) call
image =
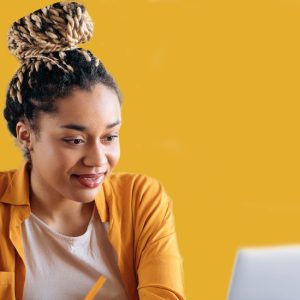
point(85, 196)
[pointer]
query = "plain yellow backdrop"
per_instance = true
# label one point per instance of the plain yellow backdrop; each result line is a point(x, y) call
point(211, 108)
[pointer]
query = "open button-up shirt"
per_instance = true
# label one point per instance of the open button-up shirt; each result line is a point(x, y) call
point(141, 231)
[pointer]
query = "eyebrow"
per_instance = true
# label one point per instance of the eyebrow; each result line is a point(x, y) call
point(84, 128)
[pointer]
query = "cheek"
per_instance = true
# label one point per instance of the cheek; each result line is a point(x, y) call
point(113, 155)
point(55, 154)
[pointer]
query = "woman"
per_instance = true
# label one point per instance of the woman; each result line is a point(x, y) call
point(69, 228)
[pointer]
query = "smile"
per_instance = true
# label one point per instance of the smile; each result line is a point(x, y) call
point(90, 181)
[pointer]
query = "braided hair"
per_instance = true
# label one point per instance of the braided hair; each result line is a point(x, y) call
point(46, 44)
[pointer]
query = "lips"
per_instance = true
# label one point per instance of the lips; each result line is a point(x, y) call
point(90, 180)
point(91, 175)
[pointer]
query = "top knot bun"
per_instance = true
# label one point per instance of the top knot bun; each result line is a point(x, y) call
point(58, 27)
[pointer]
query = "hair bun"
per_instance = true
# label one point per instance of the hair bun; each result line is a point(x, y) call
point(58, 27)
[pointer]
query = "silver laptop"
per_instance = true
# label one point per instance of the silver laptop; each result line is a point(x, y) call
point(271, 273)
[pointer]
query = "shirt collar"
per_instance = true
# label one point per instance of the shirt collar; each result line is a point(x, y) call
point(17, 191)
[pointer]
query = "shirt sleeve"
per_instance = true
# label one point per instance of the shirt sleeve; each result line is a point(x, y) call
point(158, 261)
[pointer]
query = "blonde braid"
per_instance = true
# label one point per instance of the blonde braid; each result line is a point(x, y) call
point(58, 28)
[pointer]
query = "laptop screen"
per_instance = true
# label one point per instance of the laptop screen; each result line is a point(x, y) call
point(271, 273)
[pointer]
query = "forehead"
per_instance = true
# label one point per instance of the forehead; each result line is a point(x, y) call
point(96, 107)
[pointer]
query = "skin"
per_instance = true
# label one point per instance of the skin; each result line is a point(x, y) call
point(58, 154)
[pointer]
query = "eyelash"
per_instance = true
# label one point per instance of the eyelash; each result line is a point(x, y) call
point(111, 138)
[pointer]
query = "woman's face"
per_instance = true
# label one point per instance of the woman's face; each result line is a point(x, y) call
point(77, 147)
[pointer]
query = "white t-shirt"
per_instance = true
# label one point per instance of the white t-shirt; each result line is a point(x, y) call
point(62, 267)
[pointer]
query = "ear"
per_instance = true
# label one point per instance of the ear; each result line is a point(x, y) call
point(24, 135)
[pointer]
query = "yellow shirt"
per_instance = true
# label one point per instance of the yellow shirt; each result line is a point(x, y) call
point(141, 231)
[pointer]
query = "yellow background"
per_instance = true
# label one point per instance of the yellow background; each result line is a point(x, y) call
point(211, 108)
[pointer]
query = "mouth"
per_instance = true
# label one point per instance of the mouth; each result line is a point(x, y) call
point(90, 181)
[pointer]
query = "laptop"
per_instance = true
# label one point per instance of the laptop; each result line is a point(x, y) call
point(269, 273)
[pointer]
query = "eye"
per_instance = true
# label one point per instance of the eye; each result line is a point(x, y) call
point(109, 139)
point(74, 141)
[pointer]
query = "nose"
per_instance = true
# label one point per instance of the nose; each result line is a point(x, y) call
point(95, 156)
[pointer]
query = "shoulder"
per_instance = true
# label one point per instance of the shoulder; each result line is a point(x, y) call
point(136, 179)
point(137, 192)
point(135, 184)
point(7, 174)
point(6, 179)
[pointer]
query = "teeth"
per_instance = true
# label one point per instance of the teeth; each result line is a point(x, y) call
point(92, 180)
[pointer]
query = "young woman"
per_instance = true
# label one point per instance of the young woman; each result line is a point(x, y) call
point(69, 227)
